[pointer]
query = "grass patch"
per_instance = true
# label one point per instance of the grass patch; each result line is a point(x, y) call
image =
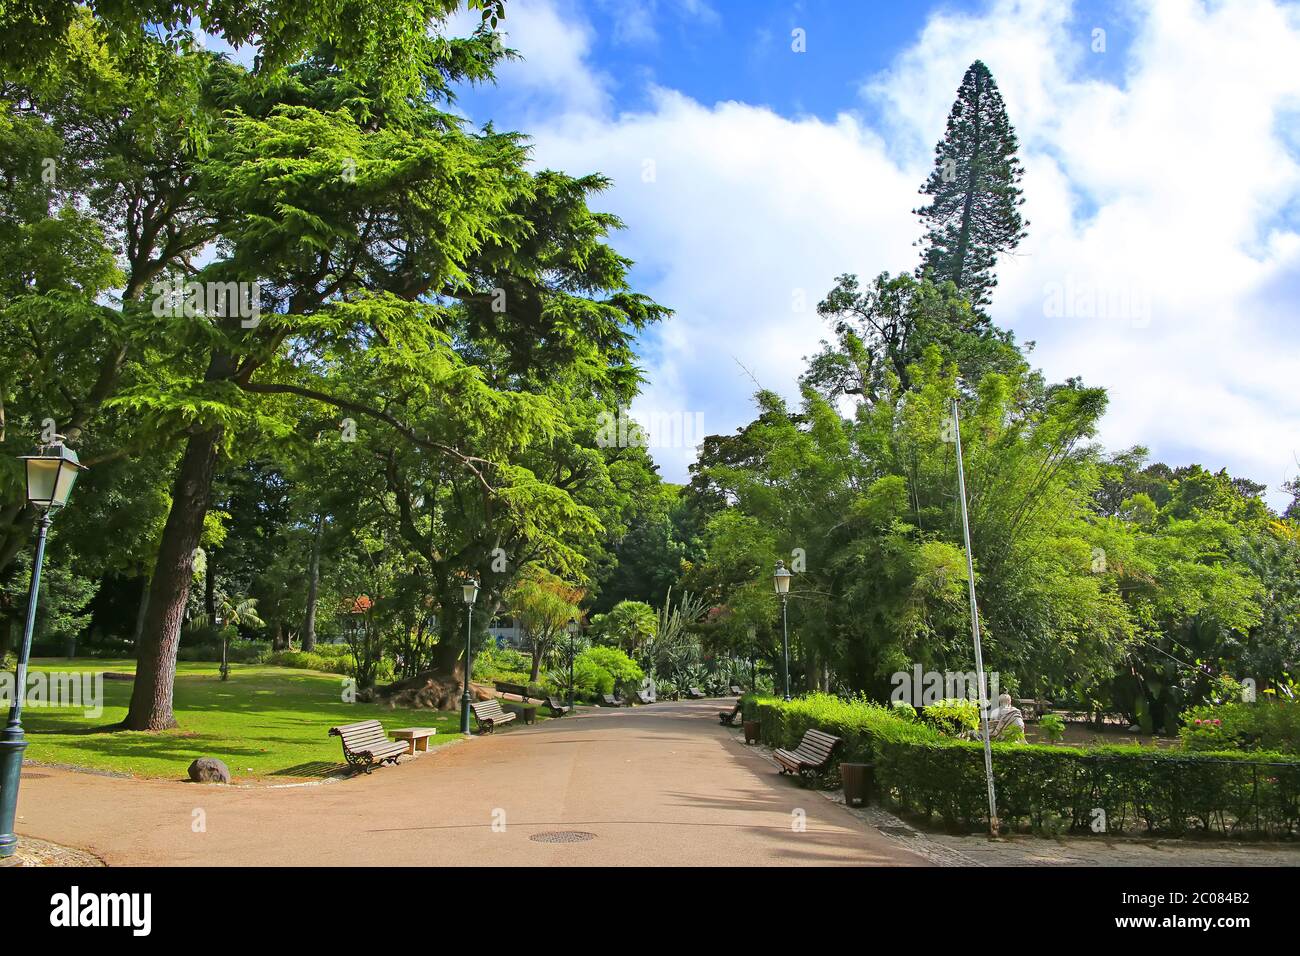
point(265, 722)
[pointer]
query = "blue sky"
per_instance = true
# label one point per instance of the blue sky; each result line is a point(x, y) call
point(741, 49)
point(1162, 179)
point(1162, 186)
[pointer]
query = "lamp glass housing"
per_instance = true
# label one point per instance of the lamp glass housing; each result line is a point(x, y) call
point(781, 577)
point(51, 474)
point(470, 590)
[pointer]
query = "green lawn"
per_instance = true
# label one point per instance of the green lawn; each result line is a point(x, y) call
point(265, 722)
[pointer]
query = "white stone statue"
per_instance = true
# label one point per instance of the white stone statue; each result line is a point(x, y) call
point(1005, 714)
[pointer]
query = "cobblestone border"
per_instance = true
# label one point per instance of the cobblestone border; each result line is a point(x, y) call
point(34, 852)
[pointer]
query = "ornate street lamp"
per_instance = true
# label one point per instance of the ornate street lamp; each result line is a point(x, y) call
point(470, 592)
point(574, 627)
point(781, 577)
point(51, 473)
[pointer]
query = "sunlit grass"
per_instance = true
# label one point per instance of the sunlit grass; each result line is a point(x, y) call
point(264, 722)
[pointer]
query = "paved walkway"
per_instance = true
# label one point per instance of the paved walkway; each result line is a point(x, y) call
point(658, 785)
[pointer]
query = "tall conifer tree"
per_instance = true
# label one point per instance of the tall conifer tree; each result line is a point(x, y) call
point(975, 192)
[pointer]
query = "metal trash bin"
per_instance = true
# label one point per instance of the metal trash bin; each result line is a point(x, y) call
point(859, 781)
point(752, 731)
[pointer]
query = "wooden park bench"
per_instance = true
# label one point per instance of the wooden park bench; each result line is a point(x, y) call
point(505, 687)
point(644, 697)
point(609, 700)
point(489, 715)
point(557, 709)
point(736, 691)
point(813, 755)
point(365, 744)
point(728, 717)
point(694, 693)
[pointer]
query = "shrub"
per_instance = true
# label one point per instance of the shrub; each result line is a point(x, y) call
point(621, 668)
point(1261, 725)
point(862, 724)
point(503, 664)
point(1138, 788)
point(903, 711)
point(953, 717)
point(1053, 727)
point(597, 670)
point(310, 660)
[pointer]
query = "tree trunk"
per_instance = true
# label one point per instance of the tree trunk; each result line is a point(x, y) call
point(139, 614)
point(151, 695)
point(313, 587)
point(537, 664)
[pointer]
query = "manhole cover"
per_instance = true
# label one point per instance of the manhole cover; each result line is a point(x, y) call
point(562, 836)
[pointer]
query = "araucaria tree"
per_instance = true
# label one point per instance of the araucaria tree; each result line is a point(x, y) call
point(974, 189)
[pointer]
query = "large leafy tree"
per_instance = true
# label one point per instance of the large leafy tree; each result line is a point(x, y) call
point(973, 215)
point(395, 44)
point(381, 235)
point(884, 330)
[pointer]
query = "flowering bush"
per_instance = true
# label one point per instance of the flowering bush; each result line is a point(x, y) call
point(1260, 725)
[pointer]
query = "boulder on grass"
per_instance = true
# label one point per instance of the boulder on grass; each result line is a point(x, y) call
point(209, 770)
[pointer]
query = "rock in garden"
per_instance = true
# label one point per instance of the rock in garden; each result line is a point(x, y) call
point(209, 770)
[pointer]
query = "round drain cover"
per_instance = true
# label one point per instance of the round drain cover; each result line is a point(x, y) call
point(562, 836)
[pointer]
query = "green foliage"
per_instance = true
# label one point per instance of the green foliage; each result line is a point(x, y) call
point(1261, 725)
point(863, 725)
point(237, 652)
point(973, 214)
point(1052, 726)
point(953, 717)
point(493, 663)
point(1138, 788)
point(598, 670)
point(629, 625)
point(314, 661)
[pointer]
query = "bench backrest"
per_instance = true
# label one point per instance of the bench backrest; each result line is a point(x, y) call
point(488, 710)
point(555, 703)
point(816, 746)
point(361, 736)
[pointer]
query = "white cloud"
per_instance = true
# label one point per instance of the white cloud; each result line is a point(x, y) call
point(555, 75)
point(1162, 189)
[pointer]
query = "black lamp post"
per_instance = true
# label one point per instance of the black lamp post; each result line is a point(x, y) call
point(752, 633)
point(470, 591)
point(51, 473)
point(782, 579)
point(573, 651)
point(225, 660)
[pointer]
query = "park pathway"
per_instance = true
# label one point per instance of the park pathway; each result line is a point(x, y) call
point(657, 785)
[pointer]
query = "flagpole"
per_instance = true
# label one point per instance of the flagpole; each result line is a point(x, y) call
point(975, 630)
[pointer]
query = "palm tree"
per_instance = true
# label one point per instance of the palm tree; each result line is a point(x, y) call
point(231, 612)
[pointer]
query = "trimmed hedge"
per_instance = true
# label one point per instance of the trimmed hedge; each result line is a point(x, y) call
point(1059, 788)
point(863, 725)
